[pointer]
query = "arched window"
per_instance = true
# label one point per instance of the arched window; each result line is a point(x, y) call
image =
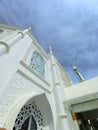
point(29, 118)
point(37, 63)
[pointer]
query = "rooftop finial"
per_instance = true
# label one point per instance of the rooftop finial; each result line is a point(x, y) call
point(76, 71)
point(50, 50)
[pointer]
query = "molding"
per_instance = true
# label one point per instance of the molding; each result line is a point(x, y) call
point(10, 27)
point(31, 36)
point(38, 46)
point(85, 106)
point(32, 80)
point(41, 102)
point(7, 47)
point(17, 88)
point(63, 115)
point(31, 71)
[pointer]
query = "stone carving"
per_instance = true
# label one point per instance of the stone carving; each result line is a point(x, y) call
point(16, 89)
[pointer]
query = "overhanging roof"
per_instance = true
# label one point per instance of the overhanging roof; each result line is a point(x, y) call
point(82, 92)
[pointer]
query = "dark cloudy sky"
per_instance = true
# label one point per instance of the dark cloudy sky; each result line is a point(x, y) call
point(70, 26)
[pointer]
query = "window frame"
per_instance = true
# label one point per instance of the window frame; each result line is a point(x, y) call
point(37, 64)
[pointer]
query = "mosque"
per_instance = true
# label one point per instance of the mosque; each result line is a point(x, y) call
point(36, 93)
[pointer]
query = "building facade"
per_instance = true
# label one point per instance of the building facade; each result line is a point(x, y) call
point(36, 93)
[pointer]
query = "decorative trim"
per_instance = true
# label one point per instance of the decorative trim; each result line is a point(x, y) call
point(6, 46)
point(63, 115)
point(16, 89)
point(38, 46)
point(24, 31)
point(22, 73)
point(30, 69)
point(26, 112)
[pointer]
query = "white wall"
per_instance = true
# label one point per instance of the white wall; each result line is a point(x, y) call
point(83, 91)
point(10, 61)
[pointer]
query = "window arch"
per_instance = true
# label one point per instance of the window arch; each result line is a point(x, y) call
point(37, 63)
point(29, 118)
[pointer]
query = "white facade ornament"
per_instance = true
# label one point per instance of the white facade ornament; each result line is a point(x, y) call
point(16, 89)
point(29, 111)
point(8, 42)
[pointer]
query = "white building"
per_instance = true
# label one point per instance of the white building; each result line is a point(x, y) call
point(36, 93)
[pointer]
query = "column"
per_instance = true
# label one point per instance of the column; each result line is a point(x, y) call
point(62, 123)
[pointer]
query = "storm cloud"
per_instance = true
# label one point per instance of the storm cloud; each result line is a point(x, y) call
point(70, 27)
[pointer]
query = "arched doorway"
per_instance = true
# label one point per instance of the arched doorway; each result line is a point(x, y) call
point(29, 118)
point(31, 108)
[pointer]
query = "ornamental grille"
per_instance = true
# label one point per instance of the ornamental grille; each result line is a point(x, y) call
point(29, 118)
point(38, 64)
